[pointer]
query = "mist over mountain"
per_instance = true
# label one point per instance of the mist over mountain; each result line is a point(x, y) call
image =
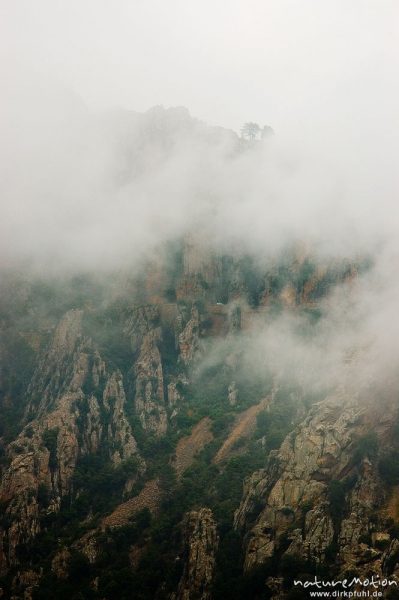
point(199, 343)
point(101, 188)
point(176, 318)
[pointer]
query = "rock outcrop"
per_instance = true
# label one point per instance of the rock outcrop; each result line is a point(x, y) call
point(310, 456)
point(317, 499)
point(145, 334)
point(201, 542)
point(68, 424)
point(189, 338)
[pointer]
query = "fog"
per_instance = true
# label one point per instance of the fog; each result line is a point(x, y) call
point(92, 178)
point(90, 190)
point(323, 75)
point(287, 62)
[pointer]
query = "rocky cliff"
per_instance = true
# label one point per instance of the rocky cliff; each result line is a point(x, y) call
point(201, 543)
point(143, 454)
point(321, 500)
point(69, 423)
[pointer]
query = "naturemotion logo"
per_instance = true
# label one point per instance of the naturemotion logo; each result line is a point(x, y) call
point(356, 587)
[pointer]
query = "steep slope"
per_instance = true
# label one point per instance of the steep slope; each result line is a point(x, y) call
point(148, 455)
point(69, 424)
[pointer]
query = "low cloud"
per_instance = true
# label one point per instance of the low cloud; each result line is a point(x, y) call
point(99, 190)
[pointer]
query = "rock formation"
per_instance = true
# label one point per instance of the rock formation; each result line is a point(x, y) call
point(201, 542)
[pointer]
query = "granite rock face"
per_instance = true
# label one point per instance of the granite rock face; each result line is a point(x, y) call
point(149, 398)
point(310, 457)
point(318, 499)
point(145, 334)
point(201, 542)
point(189, 337)
point(69, 424)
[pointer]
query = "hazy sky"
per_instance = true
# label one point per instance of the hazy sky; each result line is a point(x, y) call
point(281, 62)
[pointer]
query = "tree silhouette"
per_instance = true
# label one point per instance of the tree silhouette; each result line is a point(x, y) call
point(250, 131)
point(266, 131)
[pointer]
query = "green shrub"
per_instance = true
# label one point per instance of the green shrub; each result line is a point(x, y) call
point(336, 496)
point(49, 439)
point(367, 445)
point(388, 467)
